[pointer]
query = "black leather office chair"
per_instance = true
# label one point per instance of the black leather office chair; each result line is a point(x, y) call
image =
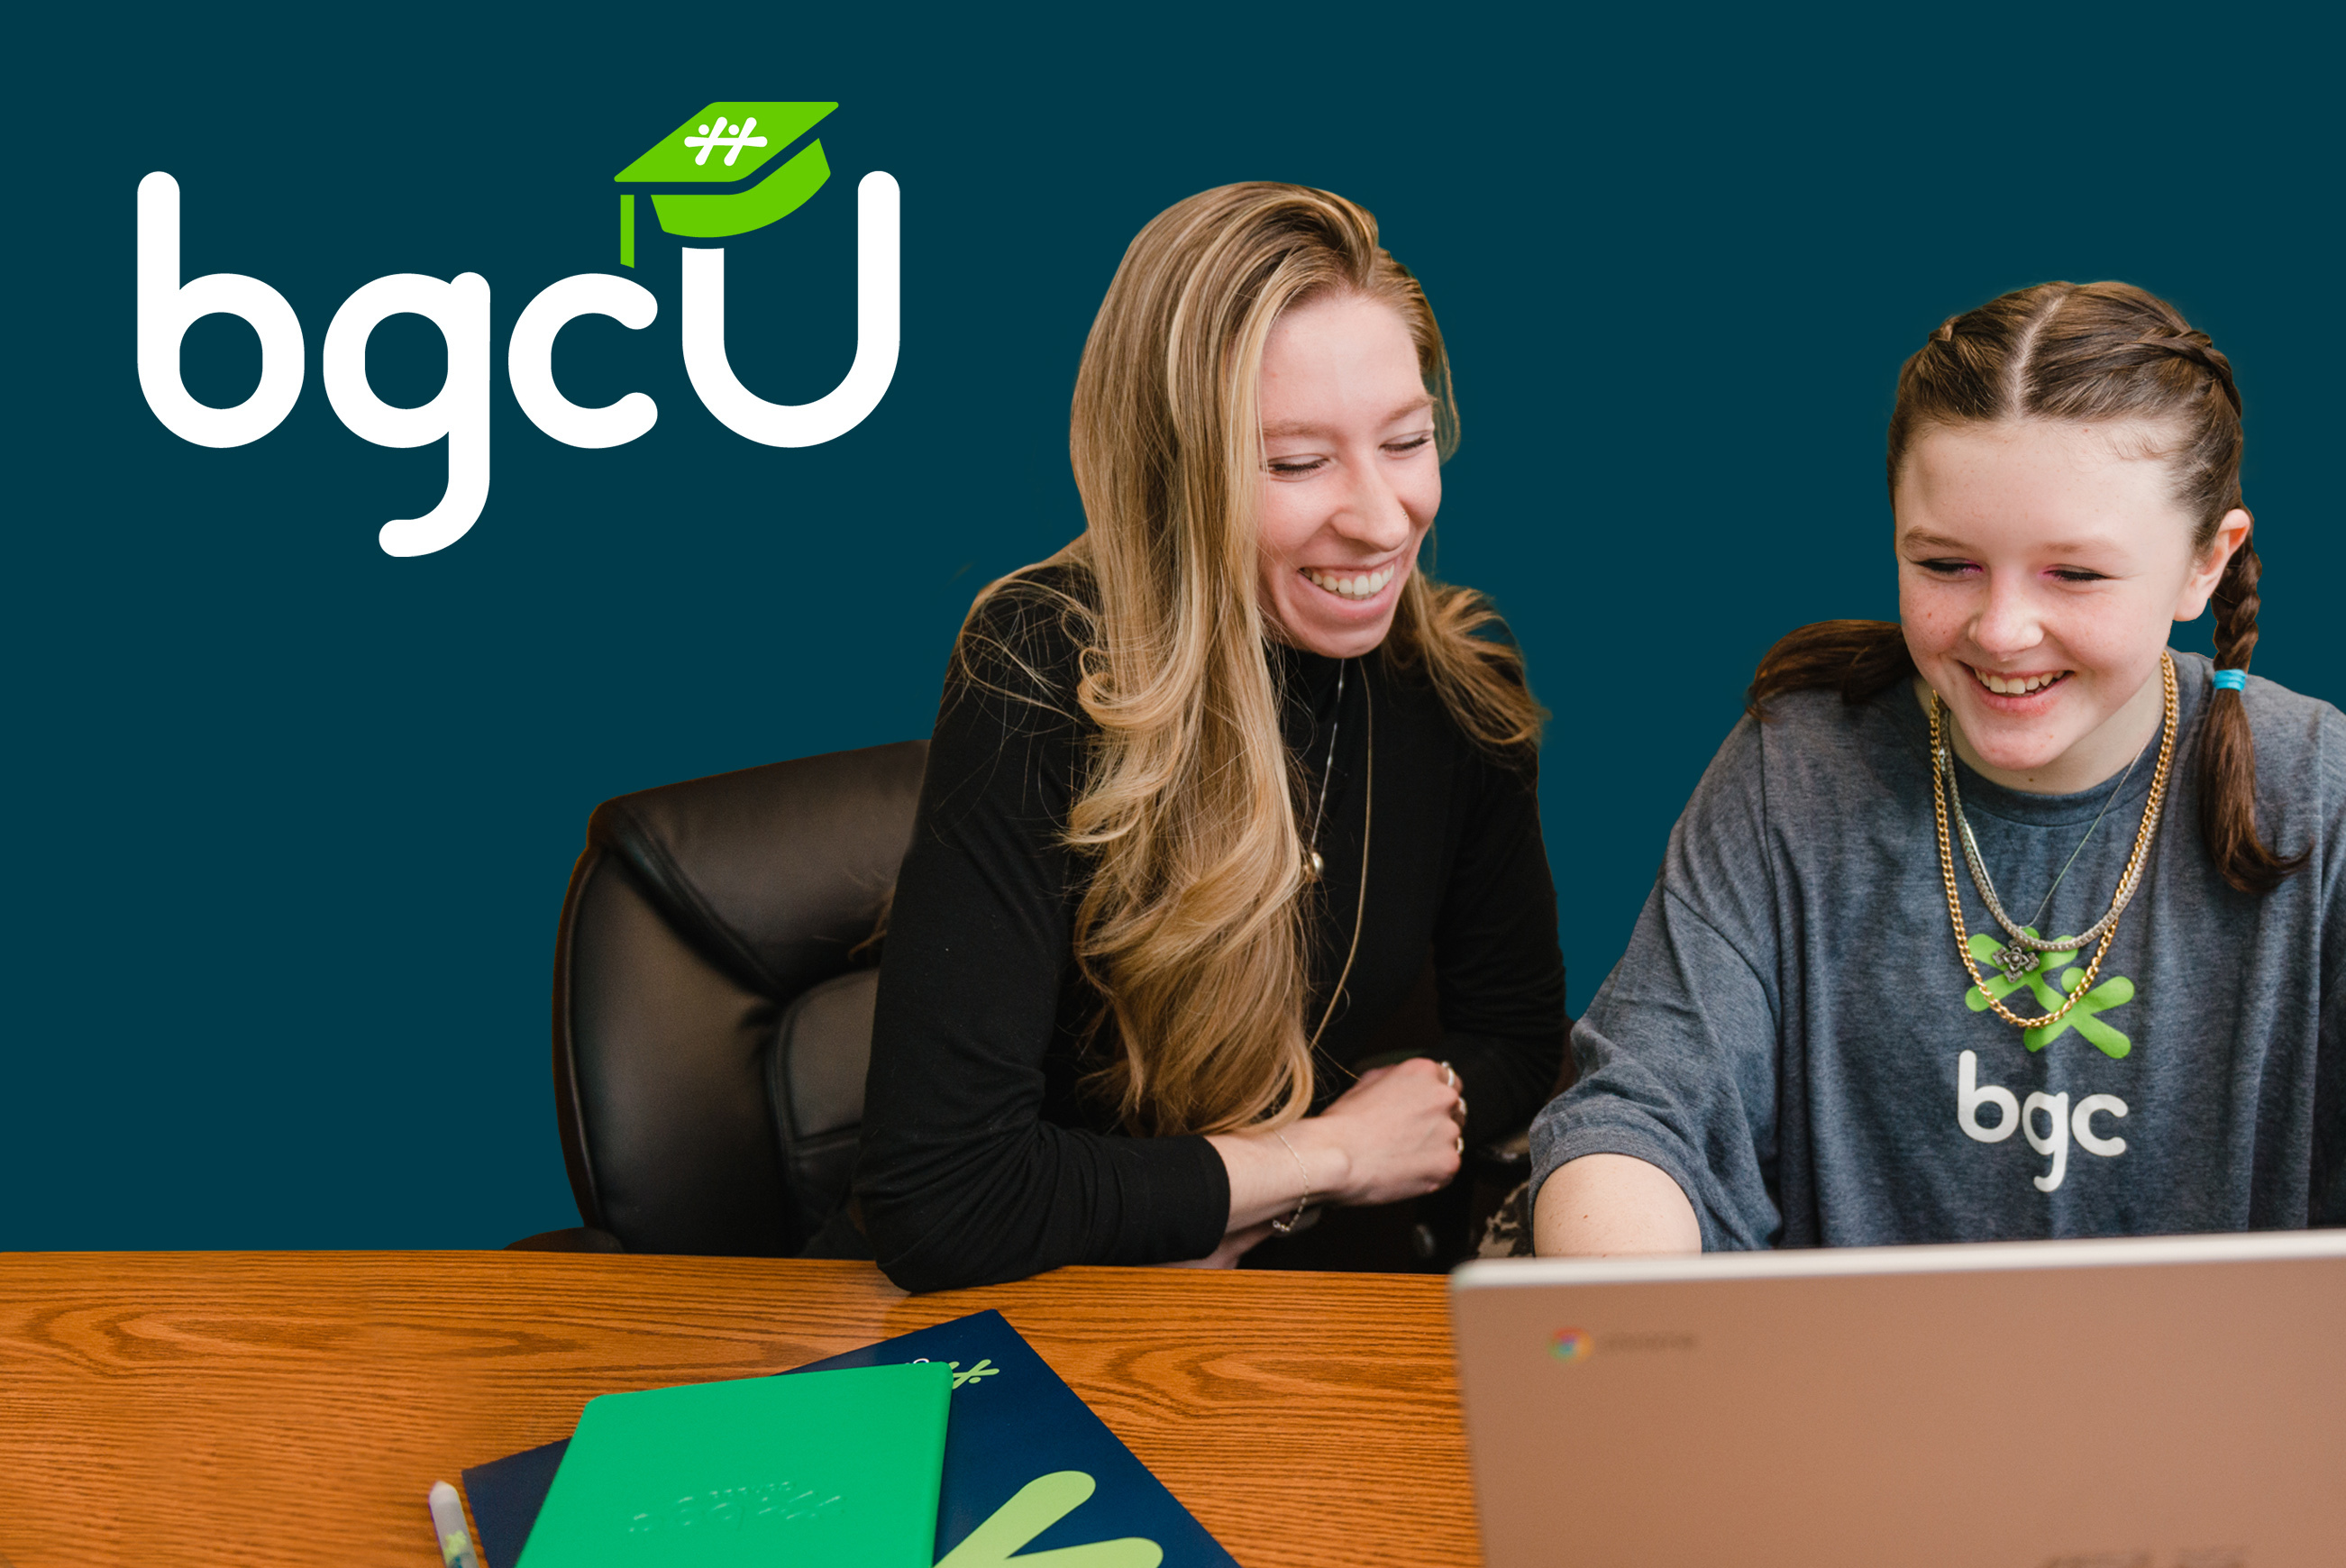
point(712, 1012)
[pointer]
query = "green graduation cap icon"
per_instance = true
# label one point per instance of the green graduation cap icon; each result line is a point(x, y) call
point(726, 144)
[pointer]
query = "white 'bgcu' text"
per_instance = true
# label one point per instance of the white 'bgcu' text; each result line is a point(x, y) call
point(459, 306)
point(2062, 1122)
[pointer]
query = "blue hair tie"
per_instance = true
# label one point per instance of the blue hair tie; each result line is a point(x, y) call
point(2231, 681)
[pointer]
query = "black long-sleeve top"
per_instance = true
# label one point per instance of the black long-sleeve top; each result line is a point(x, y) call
point(983, 1159)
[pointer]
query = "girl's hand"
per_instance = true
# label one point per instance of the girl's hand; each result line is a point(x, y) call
point(1400, 1128)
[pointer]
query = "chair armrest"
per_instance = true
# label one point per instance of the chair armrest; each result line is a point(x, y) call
point(582, 1238)
point(1509, 1159)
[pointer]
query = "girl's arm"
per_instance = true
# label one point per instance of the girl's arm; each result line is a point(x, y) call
point(1603, 1206)
point(1667, 1139)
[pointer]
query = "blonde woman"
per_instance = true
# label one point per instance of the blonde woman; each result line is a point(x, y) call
point(1207, 789)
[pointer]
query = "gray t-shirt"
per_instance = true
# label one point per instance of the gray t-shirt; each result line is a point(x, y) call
point(1791, 1034)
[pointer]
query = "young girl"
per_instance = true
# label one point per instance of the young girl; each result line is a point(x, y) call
point(2006, 921)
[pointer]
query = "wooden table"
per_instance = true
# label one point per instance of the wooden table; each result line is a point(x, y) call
point(177, 1410)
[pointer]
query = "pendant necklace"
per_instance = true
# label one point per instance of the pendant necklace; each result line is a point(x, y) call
point(2023, 953)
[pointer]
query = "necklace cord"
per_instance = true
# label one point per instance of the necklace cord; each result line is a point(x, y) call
point(1368, 822)
point(2107, 802)
point(1327, 773)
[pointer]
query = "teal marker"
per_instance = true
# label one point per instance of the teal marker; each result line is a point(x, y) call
point(448, 1525)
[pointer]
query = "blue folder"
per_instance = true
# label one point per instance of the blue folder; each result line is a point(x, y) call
point(1022, 1451)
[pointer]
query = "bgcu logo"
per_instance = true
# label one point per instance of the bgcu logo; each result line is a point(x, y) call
point(724, 144)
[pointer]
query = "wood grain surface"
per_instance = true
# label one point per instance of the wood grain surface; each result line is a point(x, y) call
point(179, 1409)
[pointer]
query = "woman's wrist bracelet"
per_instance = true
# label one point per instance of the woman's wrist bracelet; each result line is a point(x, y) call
point(1287, 1227)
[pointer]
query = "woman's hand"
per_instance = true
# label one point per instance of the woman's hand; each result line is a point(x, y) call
point(1398, 1133)
point(1401, 1129)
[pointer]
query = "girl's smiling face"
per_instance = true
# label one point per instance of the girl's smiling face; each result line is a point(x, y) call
point(2040, 563)
point(1351, 477)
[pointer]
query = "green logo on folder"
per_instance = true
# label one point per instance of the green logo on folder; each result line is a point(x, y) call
point(1038, 1505)
point(726, 144)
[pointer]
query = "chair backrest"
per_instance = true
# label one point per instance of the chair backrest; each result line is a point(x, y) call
point(711, 1018)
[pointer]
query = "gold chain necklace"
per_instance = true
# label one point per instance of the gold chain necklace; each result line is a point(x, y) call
point(1942, 764)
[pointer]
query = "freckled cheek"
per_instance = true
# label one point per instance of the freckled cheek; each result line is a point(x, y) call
point(1933, 619)
point(2091, 645)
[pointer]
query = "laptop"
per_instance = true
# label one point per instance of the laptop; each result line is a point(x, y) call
point(2178, 1403)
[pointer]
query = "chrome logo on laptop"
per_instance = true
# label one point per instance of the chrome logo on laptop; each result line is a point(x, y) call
point(1571, 1344)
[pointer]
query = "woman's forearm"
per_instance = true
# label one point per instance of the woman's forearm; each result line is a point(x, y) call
point(943, 1213)
point(1269, 1179)
point(1611, 1206)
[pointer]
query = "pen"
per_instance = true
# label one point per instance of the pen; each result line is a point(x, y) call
point(448, 1525)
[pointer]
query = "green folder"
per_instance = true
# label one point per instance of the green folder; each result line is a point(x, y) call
point(820, 1470)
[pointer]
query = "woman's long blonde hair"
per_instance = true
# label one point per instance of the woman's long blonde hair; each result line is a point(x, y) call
point(1192, 923)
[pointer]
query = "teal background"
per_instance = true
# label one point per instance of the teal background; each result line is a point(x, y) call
point(292, 818)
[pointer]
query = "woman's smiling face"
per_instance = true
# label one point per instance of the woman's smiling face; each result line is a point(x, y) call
point(1351, 477)
point(2040, 563)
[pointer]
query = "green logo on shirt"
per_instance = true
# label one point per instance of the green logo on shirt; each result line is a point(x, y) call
point(2085, 1018)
